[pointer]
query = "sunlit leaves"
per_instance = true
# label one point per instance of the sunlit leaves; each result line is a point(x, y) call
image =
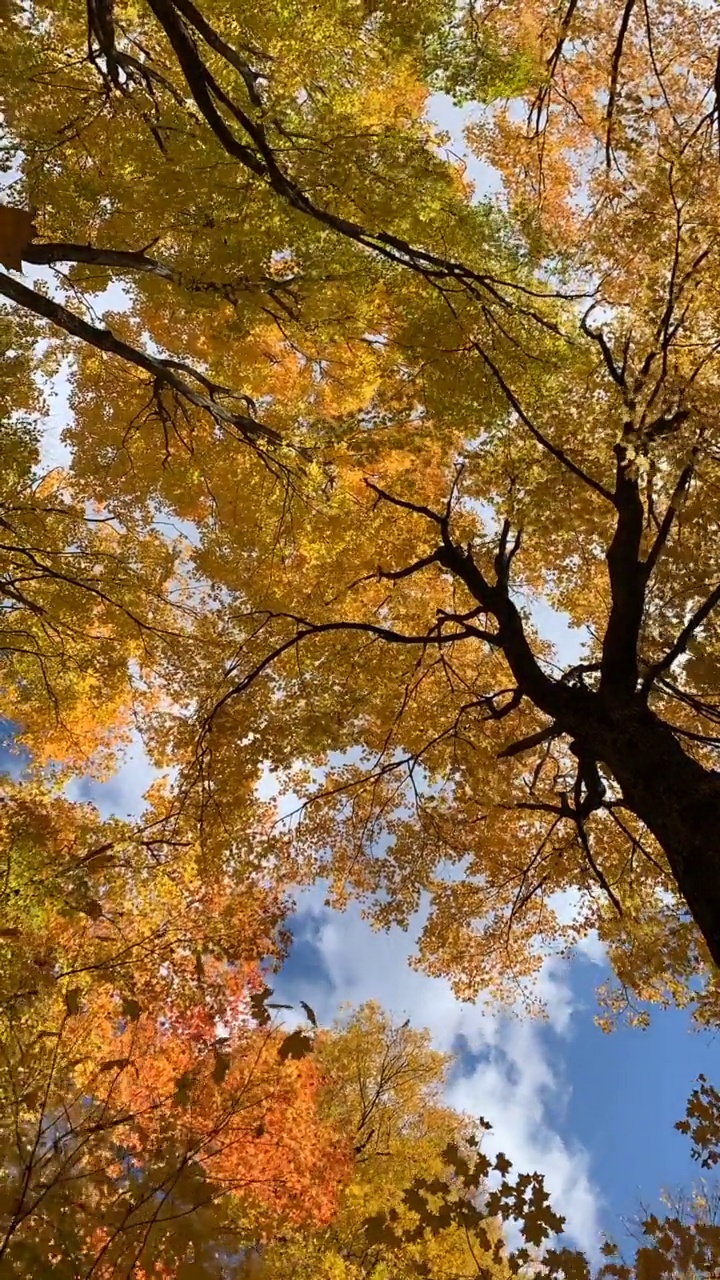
point(113, 1074)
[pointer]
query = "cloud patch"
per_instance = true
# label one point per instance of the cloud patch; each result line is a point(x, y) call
point(509, 1069)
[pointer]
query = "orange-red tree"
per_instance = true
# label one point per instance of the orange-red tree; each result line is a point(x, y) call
point(150, 1114)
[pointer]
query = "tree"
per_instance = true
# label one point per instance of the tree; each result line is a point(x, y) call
point(382, 1083)
point(150, 1123)
point(493, 405)
point(425, 1200)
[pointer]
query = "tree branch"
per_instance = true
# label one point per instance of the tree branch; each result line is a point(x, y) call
point(532, 740)
point(51, 253)
point(614, 76)
point(668, 519)
point(628, 578)
point(307, 629)
point(160, 370)
point(678, 648)
point(557, 453)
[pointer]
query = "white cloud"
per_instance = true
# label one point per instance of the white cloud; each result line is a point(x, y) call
point(567, 906)
point(511, 1079)
point(121, 796)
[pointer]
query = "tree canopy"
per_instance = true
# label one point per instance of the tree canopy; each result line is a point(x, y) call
point(375, 491)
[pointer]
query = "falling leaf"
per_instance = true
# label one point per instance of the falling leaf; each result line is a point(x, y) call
point(309, 1013)
point(17, 230)
point(297, 1045)
point(257, 1006)
point(72, 1001)
point(131, 1009)
point(114, 1064)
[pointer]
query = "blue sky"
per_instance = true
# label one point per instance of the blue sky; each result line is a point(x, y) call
point(593, 1111)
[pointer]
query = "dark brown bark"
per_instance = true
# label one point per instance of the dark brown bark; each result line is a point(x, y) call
point(677, 799)
point(164, 373)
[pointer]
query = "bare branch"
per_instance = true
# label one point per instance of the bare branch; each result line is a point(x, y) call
point(138, 261)
point(557, 453)
point(628, 578)
point(678, 648)
point(531, 741)
point(614, 76)
point(617, 373)
point(416, 507)
point(668, 519)
point(395, 575)
point(307, 629)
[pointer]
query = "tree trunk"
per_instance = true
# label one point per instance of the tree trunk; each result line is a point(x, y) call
point(676, 798)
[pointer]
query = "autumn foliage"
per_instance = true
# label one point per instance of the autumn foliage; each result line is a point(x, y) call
point(149, 1107)
point(330, 476)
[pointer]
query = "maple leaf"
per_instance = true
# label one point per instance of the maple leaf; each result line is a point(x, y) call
point(72, 1001)
point(17, 229)
point(309, 1013)
point(351, 589)
point(651, 1264)
point(296, 1045)
point(258, 1001)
